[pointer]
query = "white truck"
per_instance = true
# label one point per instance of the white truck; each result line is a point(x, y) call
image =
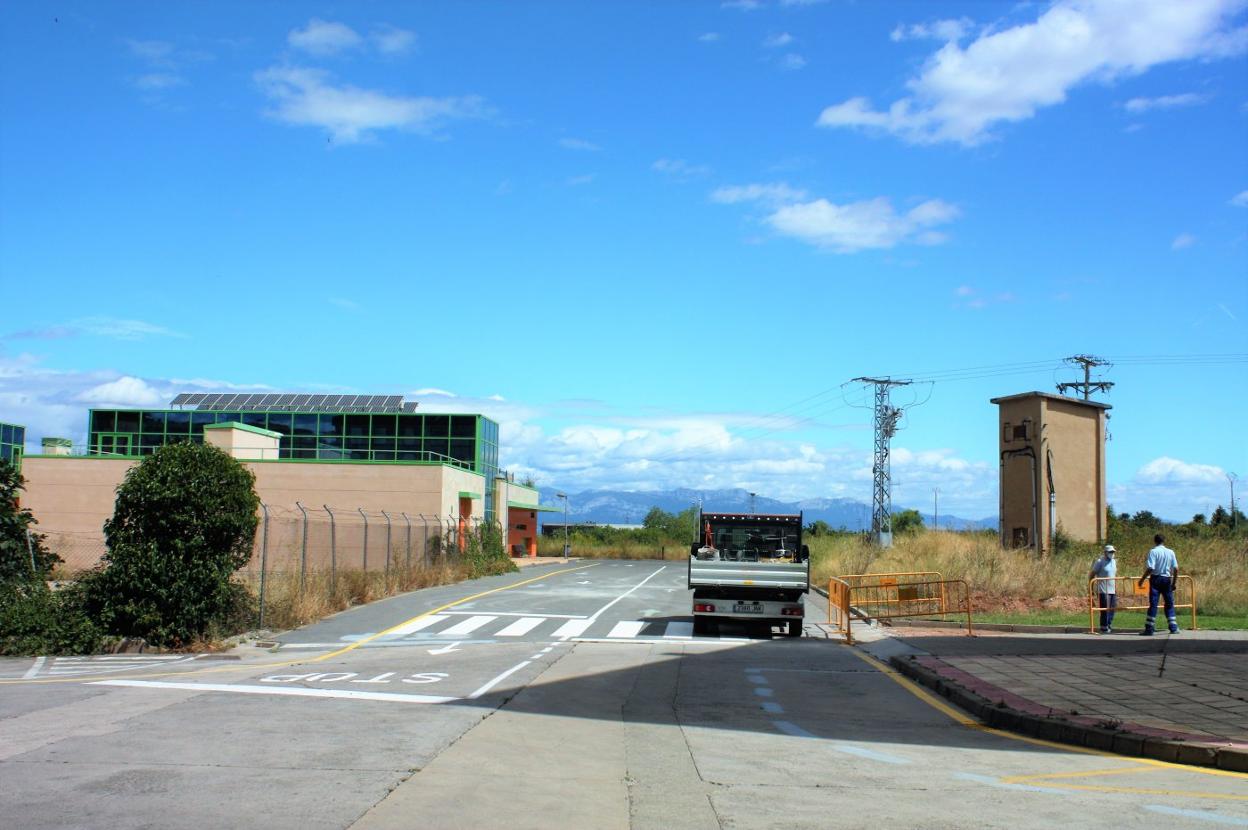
point(749, 568)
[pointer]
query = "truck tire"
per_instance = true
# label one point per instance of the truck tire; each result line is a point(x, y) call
point(793, 629)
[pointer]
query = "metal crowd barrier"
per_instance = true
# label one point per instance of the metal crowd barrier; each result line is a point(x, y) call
point(889, 578)
point(888, 597)
point(838, 608)
point(1137, 597)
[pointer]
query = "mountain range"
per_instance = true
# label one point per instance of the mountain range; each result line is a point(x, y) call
point(631, 507)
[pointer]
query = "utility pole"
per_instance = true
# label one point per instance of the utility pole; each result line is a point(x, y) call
point(1232, 478)
point(886, 418)
point(936, 507)
point(752, 510)
point(1087, 386)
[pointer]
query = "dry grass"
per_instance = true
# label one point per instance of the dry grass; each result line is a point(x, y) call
point(624, 549)
point(1015, 580)
point(287, 605)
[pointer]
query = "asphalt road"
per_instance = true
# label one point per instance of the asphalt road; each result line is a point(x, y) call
point(558, 697)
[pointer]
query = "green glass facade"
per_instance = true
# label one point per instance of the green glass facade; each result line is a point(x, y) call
point(13, 444)
point(466, 441)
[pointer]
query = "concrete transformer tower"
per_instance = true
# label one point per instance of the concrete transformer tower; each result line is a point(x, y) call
point(1052, 452)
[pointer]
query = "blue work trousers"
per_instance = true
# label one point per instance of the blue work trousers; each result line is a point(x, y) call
point(1160, 586)
point(1107, 602)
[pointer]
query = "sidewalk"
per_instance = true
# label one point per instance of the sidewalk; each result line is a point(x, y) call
point(1182, 698)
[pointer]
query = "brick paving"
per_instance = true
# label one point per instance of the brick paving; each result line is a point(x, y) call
point(1192, 687)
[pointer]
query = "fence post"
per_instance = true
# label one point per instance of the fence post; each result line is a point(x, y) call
point(333, 551)
point(30, 549)
point(365, 557)
point(303, 551)
point(424, 549)
point(387, 518)
point(264, 559)
point(409, 540)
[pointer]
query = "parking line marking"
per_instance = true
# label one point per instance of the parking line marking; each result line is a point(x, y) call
point(1197, 814)
point(33, 670)
point(627, 628)
point(521, 627)
point(245, 689)
point(415, 625)
point(573, 628)
point(498, 680)
point(467, 626)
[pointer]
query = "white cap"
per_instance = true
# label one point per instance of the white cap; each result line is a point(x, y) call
point(1110, 549)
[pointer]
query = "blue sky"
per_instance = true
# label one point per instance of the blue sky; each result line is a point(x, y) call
point(652, 239)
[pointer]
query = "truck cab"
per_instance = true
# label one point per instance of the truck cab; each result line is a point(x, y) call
point(750, 568)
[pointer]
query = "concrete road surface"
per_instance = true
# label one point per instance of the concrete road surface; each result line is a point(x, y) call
point(563, 696)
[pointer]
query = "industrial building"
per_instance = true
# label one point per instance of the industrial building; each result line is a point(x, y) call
point(12, 443)
point(1052, 453)
point(369, 453)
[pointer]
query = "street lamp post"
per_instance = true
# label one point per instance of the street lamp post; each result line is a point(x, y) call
point(752, 510)
point(564, 496)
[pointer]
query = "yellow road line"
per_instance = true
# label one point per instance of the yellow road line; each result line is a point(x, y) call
point(326, 656)
point(1144, 791)
point(1042, 777)
point(969, 722)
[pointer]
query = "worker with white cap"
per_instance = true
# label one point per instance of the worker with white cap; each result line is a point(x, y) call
point(1104, 570)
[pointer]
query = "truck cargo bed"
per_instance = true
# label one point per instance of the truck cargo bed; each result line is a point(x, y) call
point(713, 573)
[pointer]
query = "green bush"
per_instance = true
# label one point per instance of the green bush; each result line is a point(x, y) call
point(23, 557)
point(184, 522)
point(485, 554)
point(37, 620)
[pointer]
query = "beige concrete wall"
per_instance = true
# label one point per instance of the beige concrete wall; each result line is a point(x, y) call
point(243, 444)
point(457, 479)
point(72, 495)
point(1074, 435)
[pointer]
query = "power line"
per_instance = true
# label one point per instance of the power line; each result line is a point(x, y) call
point(887, 417)
point(1087, 386)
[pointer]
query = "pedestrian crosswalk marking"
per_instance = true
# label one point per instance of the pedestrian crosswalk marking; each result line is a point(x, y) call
point(467, 626)
point(416, 625)
point(521, 627)
point(572, 628)
point(627, 628)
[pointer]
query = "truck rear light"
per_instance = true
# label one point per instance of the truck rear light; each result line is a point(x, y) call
point(705, 607)
point(792, 611)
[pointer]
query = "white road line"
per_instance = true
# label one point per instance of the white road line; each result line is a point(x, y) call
point(33, 670)
point(772, 708)
point(679, 629)
point(498, 680)
point(627, 628)
point(467, 626)
point(791, 729)
point(762, 691)
point(294, 691)
point(599, 612)
point(572, 628)
point(521, 627)
point(1202, 815)
point(869, 753)
point(415, 625)
point(756, 679)
point(519, 614)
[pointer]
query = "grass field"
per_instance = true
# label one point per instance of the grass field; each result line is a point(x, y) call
point(1010, 584)
point(1123, 620)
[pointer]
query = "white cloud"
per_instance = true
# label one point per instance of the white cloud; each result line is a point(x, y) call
point(578, 144)
point(946, 30)
point(775, 193)
point(309, 98)
point(861, 225)
point(1183, 240)
point(344, 303)
point(1166, 470)
point(323, 38)
point(391, 40)
point(122, 392)
point(1172, 488)
point(708, 37)
point(110, 327)
point(680, 169)
point(1240, 199)
point(578, 181)
point(1165, 102)
point(1006, 75)
point(776, 41)
point(156, 52)
point(964, 291)
point(742, 5)
point(792, 61)
point(156, 81)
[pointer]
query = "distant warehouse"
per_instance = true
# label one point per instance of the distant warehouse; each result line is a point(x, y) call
point(356, 452)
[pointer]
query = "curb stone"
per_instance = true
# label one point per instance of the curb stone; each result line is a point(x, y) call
point(1120, 741)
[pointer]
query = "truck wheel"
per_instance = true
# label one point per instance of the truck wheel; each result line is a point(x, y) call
point(794, 628)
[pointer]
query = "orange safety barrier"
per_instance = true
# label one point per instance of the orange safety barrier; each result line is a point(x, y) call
point(1128, 586)
point(838, 608)
point(890, 599)
point(890, 578)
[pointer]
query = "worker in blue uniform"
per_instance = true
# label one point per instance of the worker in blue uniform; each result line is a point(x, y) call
point(1161, 569)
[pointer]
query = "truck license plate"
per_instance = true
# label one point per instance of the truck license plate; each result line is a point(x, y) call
point(747, 609)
